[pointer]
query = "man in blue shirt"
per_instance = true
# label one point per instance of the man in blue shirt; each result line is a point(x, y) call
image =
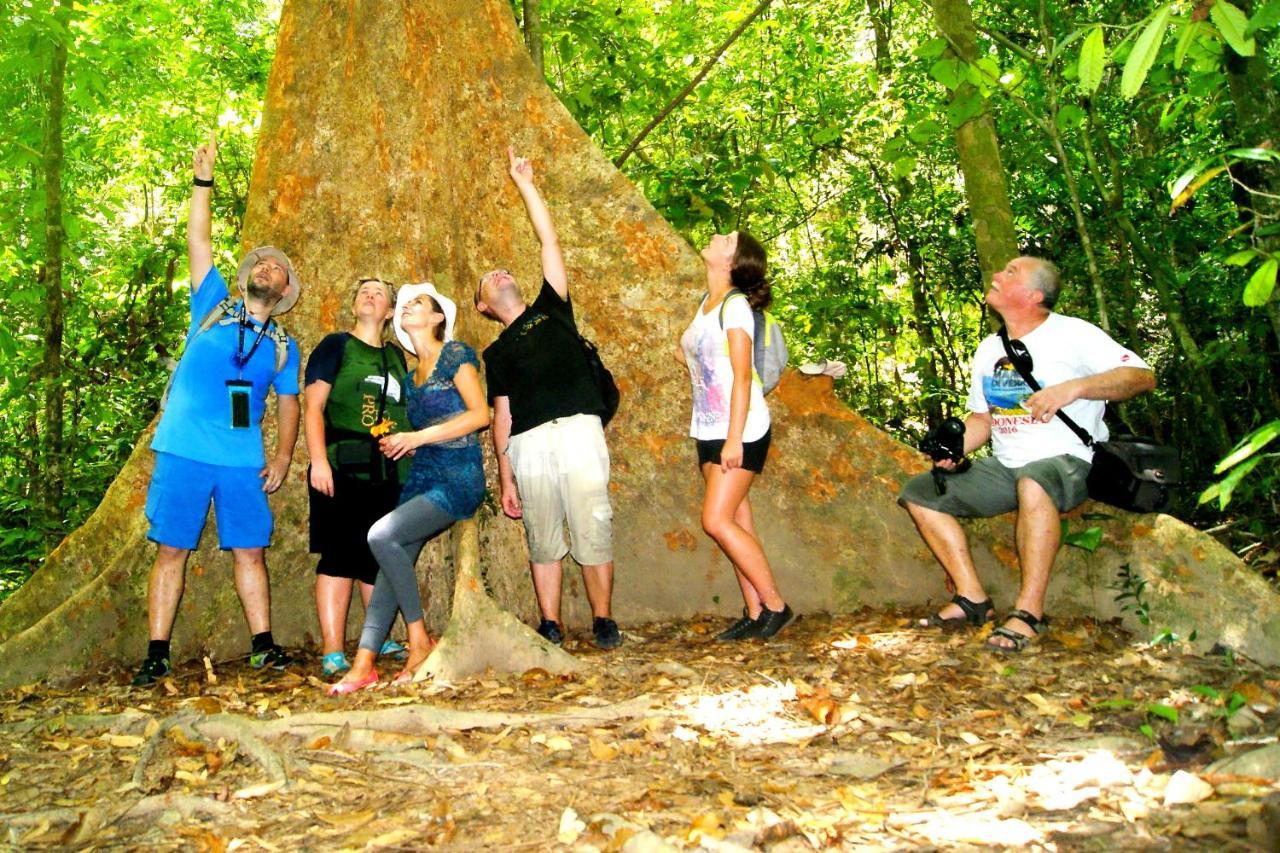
point(208, 445)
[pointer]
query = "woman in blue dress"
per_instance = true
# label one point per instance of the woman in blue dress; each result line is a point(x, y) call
point(446, 408)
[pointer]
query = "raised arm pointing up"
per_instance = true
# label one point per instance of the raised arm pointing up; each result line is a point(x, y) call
point(540, 217)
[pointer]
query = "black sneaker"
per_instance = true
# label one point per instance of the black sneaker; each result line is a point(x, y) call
point(770, 622)
point(151, 671)
point(274, 658)
point(737, 630)
point(550, 631)
point(606, 631)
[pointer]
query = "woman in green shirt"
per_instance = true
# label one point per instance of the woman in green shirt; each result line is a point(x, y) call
point(353, 395)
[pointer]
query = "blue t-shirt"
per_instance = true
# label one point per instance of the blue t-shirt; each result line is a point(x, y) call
point(449, 473)
point(196, 423)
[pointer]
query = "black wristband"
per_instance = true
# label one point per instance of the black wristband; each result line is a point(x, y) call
point(202, 182)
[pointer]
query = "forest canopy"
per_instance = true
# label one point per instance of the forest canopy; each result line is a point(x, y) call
point(1136, 141)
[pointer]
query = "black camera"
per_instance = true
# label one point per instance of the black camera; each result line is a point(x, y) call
point(946, 441)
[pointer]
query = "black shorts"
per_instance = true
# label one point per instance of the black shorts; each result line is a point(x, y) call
point(753, 452)
point(340, 525)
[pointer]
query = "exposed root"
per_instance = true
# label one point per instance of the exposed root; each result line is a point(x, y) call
point(419, 720)
point(126, 722)
point(184, 804)
point(244, 732)
point(481, 635)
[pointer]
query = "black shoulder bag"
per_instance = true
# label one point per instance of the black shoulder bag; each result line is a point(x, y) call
point(1128, 472)
point(603, 378)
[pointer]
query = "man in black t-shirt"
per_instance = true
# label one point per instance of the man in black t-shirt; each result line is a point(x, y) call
point(553, 464)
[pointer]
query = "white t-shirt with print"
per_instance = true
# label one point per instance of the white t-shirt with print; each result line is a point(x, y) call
point(706, 352)
point(1061, 348)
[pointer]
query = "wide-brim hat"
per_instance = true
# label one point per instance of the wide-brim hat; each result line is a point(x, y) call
point(247, 264)
point(409, 292)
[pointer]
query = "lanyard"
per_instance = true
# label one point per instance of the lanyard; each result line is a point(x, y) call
point(240, 359)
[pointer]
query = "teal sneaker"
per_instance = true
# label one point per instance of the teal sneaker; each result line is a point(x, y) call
point(274, 657)
point(392, 649)
point(334, 663)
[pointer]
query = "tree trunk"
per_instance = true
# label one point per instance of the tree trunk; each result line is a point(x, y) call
point(393, 159)
point(533, 31)
point(52, 475)
point(979, 150)
point(881, 14)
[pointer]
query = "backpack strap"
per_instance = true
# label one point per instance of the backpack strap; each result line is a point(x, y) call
point(732, 293)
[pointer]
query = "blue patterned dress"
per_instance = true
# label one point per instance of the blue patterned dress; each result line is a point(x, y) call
point(450, 474)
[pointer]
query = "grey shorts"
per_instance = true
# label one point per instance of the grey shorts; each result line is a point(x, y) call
point(989, 488)
point(562, 475)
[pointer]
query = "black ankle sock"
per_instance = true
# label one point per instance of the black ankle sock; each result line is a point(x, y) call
point(158, 649)
point(262, 642)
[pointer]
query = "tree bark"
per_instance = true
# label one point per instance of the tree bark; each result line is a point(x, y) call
point(392, 159)
point(53, 453)
point(978, 148)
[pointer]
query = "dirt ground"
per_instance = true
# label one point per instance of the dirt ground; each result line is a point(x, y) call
point(849, 731)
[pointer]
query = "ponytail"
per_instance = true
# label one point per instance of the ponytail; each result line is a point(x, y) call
point(748, 273)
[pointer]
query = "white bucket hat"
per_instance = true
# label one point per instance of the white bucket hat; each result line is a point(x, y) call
point(409, 292)
point(247, 264)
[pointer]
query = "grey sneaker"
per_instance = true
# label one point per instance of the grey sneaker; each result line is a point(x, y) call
point(550, 631)
point(606, 633)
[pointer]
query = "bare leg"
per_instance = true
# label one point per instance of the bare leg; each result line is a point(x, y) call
point(366, 592)
point(164, 590)
point(253, 588)
point(333, 600)
point(362, 665)
point(420, 646)
point(546, 587)
point(946, 539)
point(746, 520)
point(725, 493)
point(599, 583)
point(1039, 532)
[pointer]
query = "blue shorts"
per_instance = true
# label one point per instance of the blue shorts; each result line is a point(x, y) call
point(178, 504)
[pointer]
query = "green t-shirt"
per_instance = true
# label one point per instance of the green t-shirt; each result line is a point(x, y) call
point(366, 384)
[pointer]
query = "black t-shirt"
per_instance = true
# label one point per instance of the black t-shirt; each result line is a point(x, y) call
point(539, 364)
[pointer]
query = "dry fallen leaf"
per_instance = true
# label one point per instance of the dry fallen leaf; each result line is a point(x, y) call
point(602, 751)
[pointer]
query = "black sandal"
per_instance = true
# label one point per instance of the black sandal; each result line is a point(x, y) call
point(1020, 641)
point(976, 614)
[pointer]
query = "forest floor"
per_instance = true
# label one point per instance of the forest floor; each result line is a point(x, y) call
point(851, 731)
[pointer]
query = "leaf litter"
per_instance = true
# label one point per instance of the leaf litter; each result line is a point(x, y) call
point(853, 731)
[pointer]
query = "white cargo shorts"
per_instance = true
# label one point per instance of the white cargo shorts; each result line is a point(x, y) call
point(562, 475)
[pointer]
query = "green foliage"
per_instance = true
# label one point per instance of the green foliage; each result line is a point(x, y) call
point(1130, 590)
point(144, 83)
point(1087, 540)
point(1144, 52)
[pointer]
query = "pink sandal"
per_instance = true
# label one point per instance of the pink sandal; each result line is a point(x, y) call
point(342, 688)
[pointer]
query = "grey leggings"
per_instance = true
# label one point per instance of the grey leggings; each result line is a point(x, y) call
point(396, 539)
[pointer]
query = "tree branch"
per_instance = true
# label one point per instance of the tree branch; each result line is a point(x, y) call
point(693, 84)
